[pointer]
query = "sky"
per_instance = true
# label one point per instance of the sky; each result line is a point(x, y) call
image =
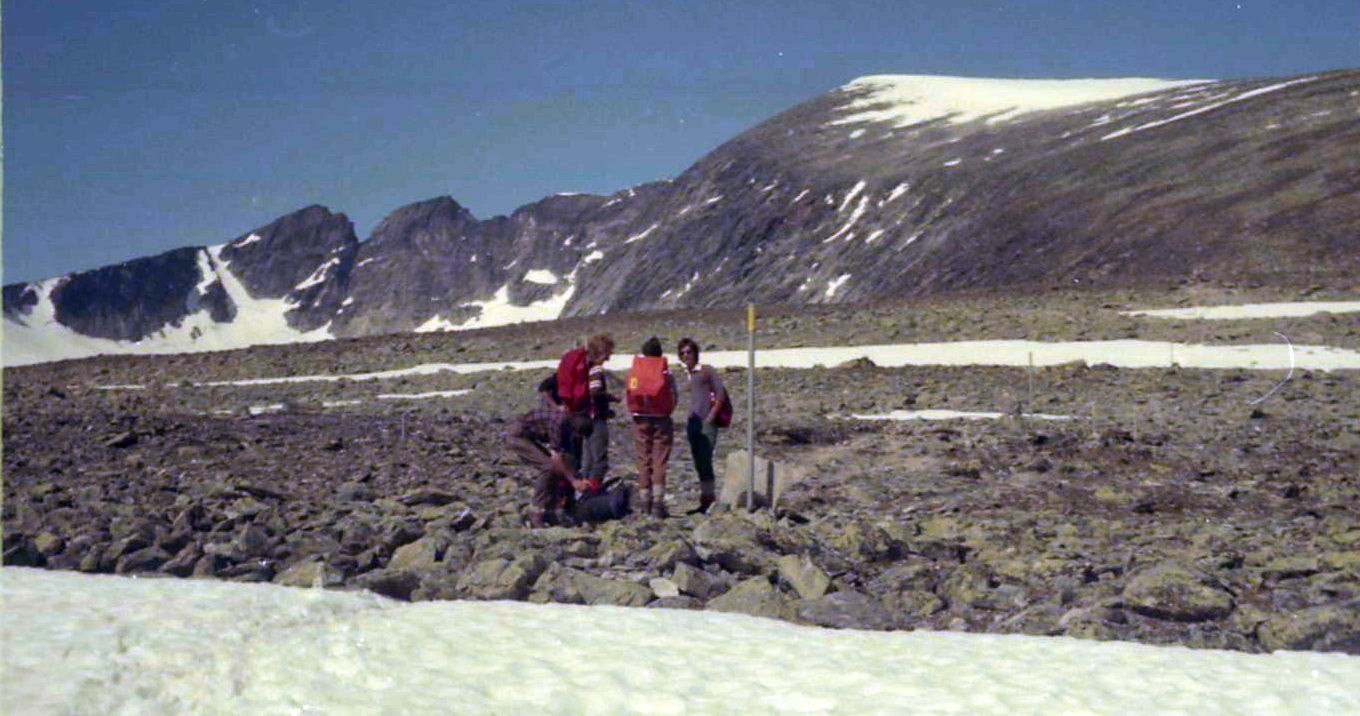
point(81, 643)
point(135, 127)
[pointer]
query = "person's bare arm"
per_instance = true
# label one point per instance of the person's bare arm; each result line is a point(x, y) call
point(561, 467)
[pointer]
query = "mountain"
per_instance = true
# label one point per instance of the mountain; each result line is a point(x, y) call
point(888, 186)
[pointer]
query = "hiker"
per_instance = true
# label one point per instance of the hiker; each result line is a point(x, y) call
point(541, 439)
point(710, 407)
point(651, 400)
point(595, 464)
point(547, 392)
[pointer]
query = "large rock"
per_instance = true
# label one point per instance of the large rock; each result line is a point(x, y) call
point(423, 554)
point(1175, 592)
point(809, 581)
point(696, 582)
point(772, 479)
point(845, 609)
point(756, 597)
point(309, 573)
point(598, 590)
point(734, 543)
point(393, 583)
point(1330, 627)
point(502, 579)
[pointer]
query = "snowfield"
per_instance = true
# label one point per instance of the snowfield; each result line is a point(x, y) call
point(904, 100)
point(79, 643)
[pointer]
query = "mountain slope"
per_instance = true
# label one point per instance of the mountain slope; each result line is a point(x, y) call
point(887, 186)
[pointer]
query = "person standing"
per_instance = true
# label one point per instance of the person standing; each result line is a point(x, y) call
point(651, 398)
point(596, 460)
point(707, 396)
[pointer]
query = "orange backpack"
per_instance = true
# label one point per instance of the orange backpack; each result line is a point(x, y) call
point(649, 393)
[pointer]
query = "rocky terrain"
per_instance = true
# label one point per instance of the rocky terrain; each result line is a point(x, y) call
point(1167, 509)
point(837, 200)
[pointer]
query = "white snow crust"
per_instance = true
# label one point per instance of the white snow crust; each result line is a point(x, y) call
point(1296, 309)
point(1121, 353)
point(909, 415)
point(912, 99)
point(91, 644)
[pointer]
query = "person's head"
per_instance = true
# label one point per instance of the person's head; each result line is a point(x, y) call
point(599, 348)
point(652, 347)
point(580, 424)
point(688, 351)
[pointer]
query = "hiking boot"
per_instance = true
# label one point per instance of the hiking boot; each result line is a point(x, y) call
point(705, 502)
point(645, 503)
point(537, 518)
point(659, 510)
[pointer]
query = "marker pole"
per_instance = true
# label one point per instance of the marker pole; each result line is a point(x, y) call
point(751, 406)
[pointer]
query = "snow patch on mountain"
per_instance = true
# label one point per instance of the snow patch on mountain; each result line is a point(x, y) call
point(904, 100)
point(39, 338)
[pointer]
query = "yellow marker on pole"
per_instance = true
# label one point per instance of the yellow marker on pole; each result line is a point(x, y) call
point(751, 406)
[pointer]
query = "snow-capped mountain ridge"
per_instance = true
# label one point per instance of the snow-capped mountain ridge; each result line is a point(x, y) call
point(886, 186)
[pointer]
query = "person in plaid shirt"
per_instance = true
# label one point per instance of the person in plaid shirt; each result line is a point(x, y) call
point(542, 439)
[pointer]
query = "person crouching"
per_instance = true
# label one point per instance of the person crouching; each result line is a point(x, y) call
point(542, 439)
point(651, 399)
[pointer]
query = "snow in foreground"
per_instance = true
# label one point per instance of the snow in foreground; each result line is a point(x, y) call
point(101, 644)
point(1124, 354)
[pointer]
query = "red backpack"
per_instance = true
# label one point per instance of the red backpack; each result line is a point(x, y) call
point(724, 416)
point(573, 376)
point(649, 393)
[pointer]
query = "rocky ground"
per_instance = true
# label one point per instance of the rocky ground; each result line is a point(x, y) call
point(1166, 510)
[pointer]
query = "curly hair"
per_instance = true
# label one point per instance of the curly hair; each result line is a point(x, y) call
point(598, 346)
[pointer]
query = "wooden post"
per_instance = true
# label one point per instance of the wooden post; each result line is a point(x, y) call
point(751, 405)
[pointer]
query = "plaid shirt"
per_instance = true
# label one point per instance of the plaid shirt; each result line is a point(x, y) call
point(545, 425)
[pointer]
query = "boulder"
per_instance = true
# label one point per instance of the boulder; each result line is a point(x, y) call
point(680, 602)
point(846, 609)
point(696, 582)
point(1176, 592)
point(663, 588)
point(393, 583)
point(664, 555)
point(733, 543)
point(309, 573)
point(914, 604)
point(598, 590)
point(147, 559)
point(806, 578)
point(49, 544)
point(772, 480)
point(1329, 627)
point(557, 584)
point(501, 578)
point(420, 555)
point(756, 597)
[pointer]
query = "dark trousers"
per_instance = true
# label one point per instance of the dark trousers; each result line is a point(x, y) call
point(551, 490)
point(703, 442)
point(653, 438)
point(596, 459)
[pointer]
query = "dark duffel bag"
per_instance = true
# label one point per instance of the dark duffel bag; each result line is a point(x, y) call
point(611, 504)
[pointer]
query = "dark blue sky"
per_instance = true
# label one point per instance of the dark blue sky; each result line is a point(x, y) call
point(138, 126)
